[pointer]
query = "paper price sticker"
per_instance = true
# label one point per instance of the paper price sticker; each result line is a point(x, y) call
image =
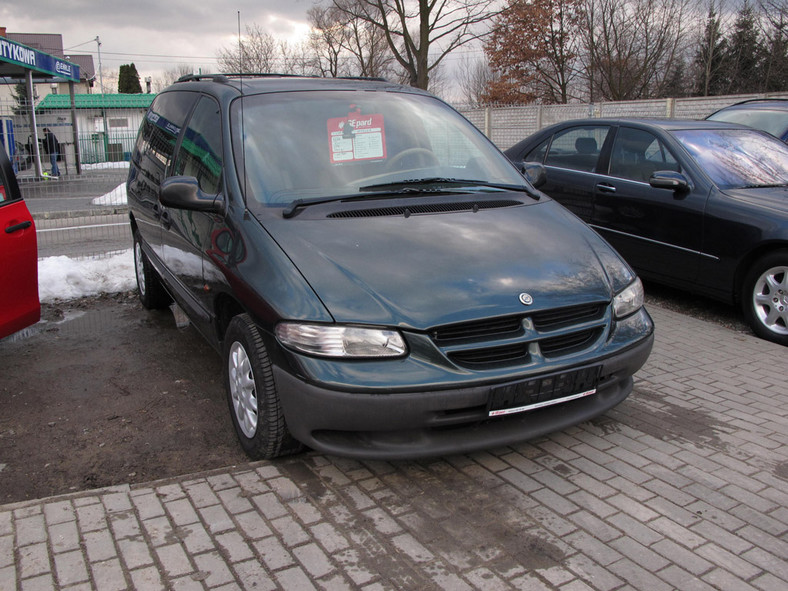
point(356, 137)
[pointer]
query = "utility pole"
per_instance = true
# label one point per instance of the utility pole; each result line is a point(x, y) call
point(103, 112)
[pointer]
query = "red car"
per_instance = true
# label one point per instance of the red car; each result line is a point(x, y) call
point(19, 305)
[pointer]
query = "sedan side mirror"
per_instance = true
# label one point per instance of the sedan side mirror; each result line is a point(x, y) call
point(669, 179)
point(534, 172)
point(183, 192)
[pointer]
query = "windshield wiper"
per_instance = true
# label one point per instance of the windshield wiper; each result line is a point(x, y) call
point(412, 184)
point(766, 186)
point(294, 206)
point(407, 187)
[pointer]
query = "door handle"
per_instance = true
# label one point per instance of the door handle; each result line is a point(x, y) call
point(605, 188)
point(166, 221)
point(20, 226)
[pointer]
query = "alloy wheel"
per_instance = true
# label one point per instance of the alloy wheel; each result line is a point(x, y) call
point(243, 390)
point(770, 299)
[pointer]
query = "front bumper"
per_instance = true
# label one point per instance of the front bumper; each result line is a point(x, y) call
point(413, 424)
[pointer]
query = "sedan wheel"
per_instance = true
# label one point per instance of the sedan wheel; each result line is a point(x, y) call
point(766, 297)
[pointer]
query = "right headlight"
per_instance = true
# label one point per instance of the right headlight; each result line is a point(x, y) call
point(629, 300)
point(349, 342)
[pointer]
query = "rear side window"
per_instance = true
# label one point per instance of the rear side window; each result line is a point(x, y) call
point(577, 148)
point(160, 130)
point(200, 154)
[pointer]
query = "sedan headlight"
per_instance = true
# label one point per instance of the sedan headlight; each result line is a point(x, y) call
point(630, 300)
point(341, 341)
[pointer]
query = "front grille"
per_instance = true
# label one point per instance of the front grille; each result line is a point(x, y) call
point(550, 319)
point(492, 357)
point(484, 329)
point(568, 343)
point(506, 341)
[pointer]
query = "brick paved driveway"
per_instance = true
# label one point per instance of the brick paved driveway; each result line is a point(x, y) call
point(683, 486)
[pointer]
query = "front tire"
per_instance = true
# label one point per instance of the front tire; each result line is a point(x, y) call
point(152, 293)
point(765, 297)
point(252, 395)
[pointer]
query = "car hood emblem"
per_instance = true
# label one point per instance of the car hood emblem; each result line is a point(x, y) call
point(526, 299)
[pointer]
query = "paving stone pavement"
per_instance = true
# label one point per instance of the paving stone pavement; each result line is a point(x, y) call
point(682, 486)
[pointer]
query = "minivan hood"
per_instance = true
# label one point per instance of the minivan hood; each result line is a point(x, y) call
point(427, 270)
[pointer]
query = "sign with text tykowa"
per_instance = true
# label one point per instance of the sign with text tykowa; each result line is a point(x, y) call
point(15, 53)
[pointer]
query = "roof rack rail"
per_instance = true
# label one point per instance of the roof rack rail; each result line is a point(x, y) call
point(196, 77)
point(224, 78)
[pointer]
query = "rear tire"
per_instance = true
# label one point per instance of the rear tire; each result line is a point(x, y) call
point(152, 293)
point(765, 297)
point(252, 395)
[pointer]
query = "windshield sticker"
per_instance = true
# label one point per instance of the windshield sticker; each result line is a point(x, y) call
point(356, 137)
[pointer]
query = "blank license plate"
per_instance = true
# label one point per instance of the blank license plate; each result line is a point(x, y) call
point(543, 391)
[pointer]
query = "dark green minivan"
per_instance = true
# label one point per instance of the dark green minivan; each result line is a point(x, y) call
point(380, 280)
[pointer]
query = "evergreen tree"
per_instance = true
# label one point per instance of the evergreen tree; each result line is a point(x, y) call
point(19, 93)
point(775, 45)
point(129, 80)
point(743, 54)
point(711, 79)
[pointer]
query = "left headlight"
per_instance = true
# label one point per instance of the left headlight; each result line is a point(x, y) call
point(341, 341)
point(629, 300)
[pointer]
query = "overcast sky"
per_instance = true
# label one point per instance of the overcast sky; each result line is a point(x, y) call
point(155, 35)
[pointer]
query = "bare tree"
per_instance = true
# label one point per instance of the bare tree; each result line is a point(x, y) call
point(298, 59)
point(474, 77)
point(347, 46)
point(632, 46)
point(255, 52)
point(421, 33)
point(534, 46)
point(169, 76)
point(328, 38)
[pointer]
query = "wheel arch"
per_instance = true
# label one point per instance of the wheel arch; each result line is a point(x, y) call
point(226, 308)
point(748, 261)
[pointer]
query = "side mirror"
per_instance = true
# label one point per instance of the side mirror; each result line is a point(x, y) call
point(183, 192)
point(669, 179)
point(535, 173)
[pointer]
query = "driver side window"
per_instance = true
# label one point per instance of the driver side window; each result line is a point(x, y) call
point(200, 154)
point(637, 154)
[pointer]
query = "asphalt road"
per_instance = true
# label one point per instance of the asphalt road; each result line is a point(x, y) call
point(70, 219)
point(83, 235)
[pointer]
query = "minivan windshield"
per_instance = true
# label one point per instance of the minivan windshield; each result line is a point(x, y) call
point(308, 145)
point(738, 158)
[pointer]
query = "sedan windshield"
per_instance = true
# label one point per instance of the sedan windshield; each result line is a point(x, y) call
point(738, 158)
point(310, 145)
point(772, 121)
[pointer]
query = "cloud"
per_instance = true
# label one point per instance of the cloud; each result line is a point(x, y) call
point(155, 35)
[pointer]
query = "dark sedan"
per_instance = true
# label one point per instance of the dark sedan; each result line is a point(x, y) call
point(700, 205)
point(769, 115)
